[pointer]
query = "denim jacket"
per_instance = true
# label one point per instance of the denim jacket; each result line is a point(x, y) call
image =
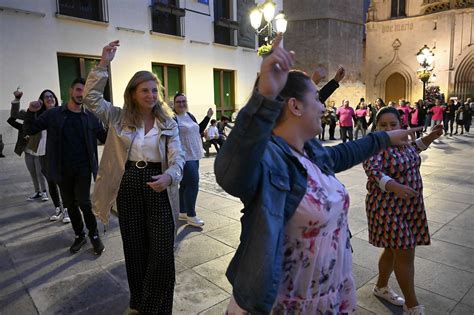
point(260, 169)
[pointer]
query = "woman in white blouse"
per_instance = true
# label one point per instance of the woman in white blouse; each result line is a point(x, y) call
point(190, 134)
point(140, 168)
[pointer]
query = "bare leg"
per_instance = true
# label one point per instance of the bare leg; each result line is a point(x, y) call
point(386, 262)
point(404, 267)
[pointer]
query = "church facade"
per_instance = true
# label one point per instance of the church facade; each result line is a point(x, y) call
point(396, 30)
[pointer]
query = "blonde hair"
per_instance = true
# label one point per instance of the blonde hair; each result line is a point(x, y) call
point(131, 115)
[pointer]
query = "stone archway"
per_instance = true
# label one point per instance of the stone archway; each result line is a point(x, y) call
point(395, 88)
point(464, 78)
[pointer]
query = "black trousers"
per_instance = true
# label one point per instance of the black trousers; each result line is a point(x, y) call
point(75, 189)
point(321, 135)
point(332, 129)
point(52, 185)
point(147, 228)
point(346, 132)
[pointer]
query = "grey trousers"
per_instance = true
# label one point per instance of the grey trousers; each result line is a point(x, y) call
point(34, 167)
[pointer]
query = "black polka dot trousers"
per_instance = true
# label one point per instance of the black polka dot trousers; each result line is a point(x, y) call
point(147, 228)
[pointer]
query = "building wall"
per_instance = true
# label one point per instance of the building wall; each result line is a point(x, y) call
point(449, 33)
point(30, 43)
point(322, 33)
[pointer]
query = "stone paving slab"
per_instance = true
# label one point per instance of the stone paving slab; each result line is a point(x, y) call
point(38, 275)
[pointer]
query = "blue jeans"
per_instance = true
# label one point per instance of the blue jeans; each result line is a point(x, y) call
point(188, 188)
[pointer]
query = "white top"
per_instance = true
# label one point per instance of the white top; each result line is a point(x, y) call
point(41, 150)
point(190, 137)
point(145, 147)
point(212, 133)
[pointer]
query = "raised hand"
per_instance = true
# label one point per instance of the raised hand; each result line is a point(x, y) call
point(18, 94)
point(318, 75)
point(274, 70)
point(210, 112)
point(35, 106)
point(340, 73)
point(108, 53)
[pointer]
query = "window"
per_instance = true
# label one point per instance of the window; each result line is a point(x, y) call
point(398, 8)
point(71, 67)
point(224, 92)
point(224, 27)
point(166, 17)
point(246, 33)
point(171, 77)
point(85, 9)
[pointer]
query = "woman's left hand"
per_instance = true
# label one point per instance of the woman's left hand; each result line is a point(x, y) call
point(400, 136)
point(161, 182)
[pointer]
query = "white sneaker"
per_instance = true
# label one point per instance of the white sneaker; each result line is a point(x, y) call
point(66, 218)
point(195, 221)
point(389, 295)
point(58, 215)
point(415, 310)
point(183, 217)
point(44, 196)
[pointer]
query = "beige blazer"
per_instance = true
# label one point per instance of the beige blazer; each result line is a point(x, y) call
point(117, 148)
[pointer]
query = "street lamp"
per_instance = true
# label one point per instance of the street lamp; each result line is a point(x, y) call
point(425, 58)
point(267, 11)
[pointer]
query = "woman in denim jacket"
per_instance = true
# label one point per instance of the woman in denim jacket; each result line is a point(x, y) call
point(295, 254)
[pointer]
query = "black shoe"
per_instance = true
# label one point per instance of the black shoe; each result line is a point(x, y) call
point(78, 243)
point(97, 244)
point(1, 155)
point(332, 138)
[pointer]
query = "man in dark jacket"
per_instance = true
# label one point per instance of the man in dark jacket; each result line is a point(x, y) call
point(72, 157)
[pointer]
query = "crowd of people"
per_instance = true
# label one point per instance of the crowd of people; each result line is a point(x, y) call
point(294, 255)
point(426, 114)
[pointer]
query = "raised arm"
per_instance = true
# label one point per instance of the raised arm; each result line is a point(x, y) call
point(237, 166)
point(94, 88)
point(332, 85)
point(33, 124)
point(12, 122)
point(15, 111)
point(203, 124)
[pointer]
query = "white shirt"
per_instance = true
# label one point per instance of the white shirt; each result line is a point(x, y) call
point(212, 133)
point(145, 147)
point(190, 137)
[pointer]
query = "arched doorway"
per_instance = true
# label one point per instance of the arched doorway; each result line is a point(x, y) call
point(464, 78)
point(395, 87)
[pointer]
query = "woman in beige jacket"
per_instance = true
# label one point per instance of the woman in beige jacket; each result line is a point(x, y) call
point(140, 168)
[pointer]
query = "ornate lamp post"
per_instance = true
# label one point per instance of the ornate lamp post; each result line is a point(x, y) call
point(425, 58)
point(267, 11)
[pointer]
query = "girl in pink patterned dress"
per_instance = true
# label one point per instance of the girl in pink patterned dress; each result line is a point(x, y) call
point(395, 211)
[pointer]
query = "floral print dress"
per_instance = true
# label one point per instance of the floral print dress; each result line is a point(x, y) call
point(317, 266)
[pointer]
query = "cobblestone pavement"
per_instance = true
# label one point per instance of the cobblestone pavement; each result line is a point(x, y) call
point(38, 275)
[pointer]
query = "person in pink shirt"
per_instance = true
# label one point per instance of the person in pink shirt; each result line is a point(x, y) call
point(346, 114)
point(437, 111)
point(361, 121)
point(402, 105)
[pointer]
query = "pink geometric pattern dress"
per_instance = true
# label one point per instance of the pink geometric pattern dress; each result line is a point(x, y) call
point(317, 267)
point(395, 222)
